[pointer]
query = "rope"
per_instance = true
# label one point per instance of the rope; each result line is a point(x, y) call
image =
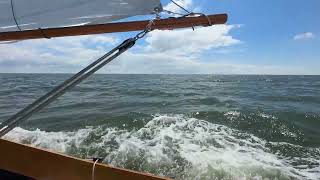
point(14, 16)
point(180, 6)
point(93, 168)
point(189, 13)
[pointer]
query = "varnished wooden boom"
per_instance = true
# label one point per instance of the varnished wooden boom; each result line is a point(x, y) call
point(45, 165)
point(170, 23)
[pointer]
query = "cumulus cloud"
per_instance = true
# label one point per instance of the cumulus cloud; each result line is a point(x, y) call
point(175, 52)
point(162, 63)
point(180, 52)
point(160, 52)
point(187, 41)
point(54, 55)
point(302, 36)
point(166, 51)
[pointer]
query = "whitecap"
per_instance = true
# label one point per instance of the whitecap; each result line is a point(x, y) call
point(174, 146)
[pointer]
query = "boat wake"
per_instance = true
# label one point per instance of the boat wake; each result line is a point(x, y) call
point(179, 147)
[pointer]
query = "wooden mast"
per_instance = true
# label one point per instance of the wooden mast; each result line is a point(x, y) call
point(169, 23)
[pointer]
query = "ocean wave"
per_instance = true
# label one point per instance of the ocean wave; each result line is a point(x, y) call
point(179, 147)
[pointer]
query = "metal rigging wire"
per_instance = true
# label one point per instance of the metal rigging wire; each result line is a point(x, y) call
point(43, 101)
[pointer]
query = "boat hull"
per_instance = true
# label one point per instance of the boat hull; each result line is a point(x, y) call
point(46, 165)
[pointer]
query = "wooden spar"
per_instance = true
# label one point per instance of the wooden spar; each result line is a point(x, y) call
point(169, 23)
point(45, 165)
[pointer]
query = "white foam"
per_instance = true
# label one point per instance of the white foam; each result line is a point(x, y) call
point(56, 141)
point(191, 148)
point(232, 113)
point(264, 115)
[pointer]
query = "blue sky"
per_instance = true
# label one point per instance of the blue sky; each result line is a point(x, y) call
point(261, 37)
point(269, 30)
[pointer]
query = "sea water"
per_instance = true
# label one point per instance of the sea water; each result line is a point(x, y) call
point(179, 126)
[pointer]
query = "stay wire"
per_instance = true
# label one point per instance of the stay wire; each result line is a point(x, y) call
point(58, 91)
point(53, 95)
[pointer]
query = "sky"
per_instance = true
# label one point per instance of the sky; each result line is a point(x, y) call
point(260, 37)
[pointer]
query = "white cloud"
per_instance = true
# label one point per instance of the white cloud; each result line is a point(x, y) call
point(161, 52)
point(164, 52)
point(176, 51)
point(180, 52)
point(306, 35)
point(162, 63)
point(187, 41)
point(53, 55)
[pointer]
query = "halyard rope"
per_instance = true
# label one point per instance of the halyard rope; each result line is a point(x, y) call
point(189, 13)
point(15, 20)
point(14, 16)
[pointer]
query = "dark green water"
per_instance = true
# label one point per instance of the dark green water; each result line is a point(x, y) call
point(181, 126)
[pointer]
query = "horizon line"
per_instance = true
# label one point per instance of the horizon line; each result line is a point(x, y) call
point(172, 74)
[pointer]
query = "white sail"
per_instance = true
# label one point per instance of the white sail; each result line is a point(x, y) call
point(34, 14)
